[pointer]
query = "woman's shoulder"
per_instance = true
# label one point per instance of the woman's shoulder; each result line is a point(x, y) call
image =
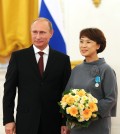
point(106, 68)
point(78, 68)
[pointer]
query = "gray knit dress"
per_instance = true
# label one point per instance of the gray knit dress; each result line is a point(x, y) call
point(99, 79)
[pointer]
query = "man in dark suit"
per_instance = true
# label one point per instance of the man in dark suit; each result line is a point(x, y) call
point(38, 94)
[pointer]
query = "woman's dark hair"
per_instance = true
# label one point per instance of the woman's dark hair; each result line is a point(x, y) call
point(96, 35)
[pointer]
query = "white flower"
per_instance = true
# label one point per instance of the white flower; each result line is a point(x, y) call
point(81, 106)
point(76, 97)
point(74, 91)
point(81, 119)
point(95, 100)
point(68, 110)
point(63, 104)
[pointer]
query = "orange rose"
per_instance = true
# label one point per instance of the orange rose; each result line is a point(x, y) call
point(73, 111)
point(87, 113)
point(93, 107)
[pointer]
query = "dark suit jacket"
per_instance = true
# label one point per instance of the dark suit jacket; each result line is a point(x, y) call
point(37, 97)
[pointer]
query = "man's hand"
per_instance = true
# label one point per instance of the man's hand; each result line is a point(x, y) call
point(10, 128)
point(65, 130)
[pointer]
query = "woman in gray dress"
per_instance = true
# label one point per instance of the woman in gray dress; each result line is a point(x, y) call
point(97, 77)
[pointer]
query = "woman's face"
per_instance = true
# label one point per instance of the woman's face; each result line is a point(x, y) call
point(88, 48)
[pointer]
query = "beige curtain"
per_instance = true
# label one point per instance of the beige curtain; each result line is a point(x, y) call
point(16, 17)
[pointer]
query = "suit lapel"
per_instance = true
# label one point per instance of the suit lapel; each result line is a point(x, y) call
point(50, 62)
point(33, 62)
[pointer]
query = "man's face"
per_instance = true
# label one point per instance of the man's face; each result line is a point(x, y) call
point(41, 34)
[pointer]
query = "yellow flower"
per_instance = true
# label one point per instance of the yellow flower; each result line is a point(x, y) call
point(79, 105)
point(94, 115)
point(87, 114)
point(64, 98)
point(70, 100)
point(68, 110)
point(81, 92)
point(73, 111)
point(93, 107)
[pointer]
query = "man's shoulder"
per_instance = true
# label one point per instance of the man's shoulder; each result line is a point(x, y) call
point(21, 51)
point(58, 53)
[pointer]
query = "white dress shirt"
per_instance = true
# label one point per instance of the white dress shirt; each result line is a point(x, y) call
point(45, 56)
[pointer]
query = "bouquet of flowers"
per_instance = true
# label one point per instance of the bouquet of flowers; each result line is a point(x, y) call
point(79, 107)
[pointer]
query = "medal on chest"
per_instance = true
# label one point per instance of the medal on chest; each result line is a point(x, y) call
point(97, 81)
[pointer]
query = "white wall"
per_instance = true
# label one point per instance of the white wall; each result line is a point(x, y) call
point(79, 14)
